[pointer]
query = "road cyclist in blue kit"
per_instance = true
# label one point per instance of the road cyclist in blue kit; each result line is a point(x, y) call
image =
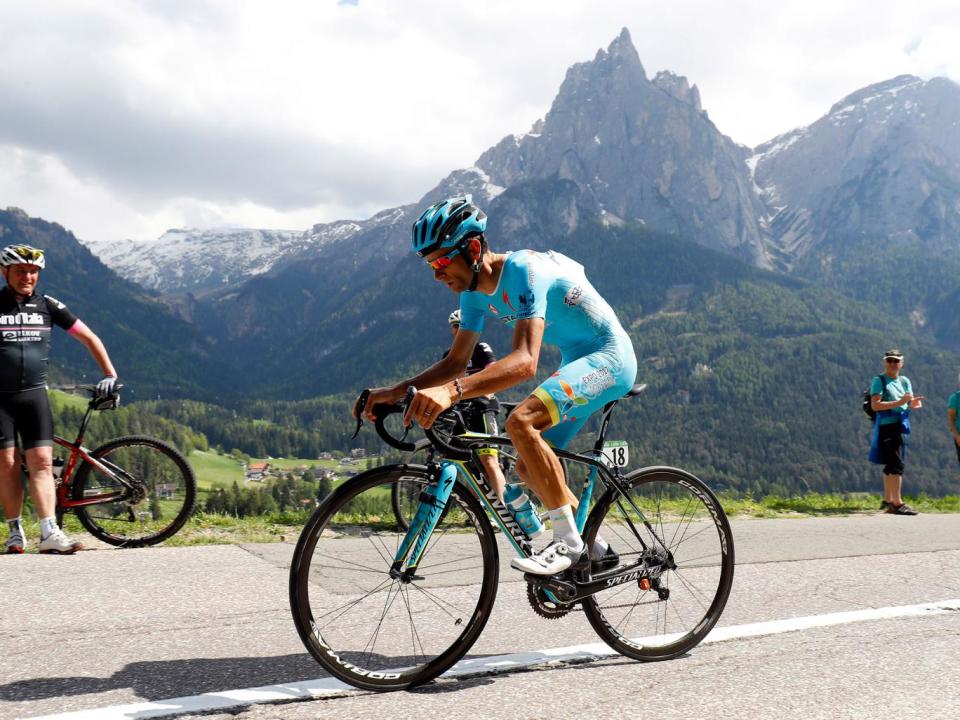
point(646, 554)
point(544, 297)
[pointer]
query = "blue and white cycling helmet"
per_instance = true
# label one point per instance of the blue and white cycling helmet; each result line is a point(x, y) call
point(449, 223)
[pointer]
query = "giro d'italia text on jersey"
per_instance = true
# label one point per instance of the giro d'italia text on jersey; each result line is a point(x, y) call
point(25, 329)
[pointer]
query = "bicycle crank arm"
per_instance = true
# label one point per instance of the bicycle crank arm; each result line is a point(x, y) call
point(570, 590)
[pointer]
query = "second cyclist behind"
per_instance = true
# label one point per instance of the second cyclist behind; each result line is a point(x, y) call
point(481, 414)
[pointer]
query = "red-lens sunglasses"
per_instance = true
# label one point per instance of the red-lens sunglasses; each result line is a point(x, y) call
point(444, 261)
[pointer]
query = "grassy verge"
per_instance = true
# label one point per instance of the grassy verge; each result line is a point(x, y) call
point(212, 529)
point(204, 529)
point(816, 504)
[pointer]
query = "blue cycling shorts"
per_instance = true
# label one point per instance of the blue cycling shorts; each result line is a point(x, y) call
point(584, 385)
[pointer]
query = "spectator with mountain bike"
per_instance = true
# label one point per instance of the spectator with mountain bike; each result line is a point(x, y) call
point(892, 399)
point(26, 324)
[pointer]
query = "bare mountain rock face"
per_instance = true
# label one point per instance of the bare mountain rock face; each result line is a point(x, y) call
point(884, 162)
point(639, 152)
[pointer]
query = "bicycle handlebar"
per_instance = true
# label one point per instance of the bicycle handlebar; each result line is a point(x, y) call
point(108, 402)
point(383, 411)
point(445, 448)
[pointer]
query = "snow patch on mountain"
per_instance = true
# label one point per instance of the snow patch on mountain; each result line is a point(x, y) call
point(190, 260)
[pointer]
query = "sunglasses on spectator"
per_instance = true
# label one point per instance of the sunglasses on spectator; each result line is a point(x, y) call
point(444, 261)
point(894, 360)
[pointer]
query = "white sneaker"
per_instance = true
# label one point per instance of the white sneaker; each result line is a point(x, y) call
point(58, 543)
point(14, 545)
point(554, 558)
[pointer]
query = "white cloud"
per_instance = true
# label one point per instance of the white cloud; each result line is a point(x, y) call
point(130, 117)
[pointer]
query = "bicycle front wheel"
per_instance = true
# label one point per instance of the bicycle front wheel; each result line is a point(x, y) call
point(673, 530)
point(382, 631)
point(157, 492)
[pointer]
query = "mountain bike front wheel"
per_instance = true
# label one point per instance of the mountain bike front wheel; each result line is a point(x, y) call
point(157, 492)
point(379, 630)
point(674, 531)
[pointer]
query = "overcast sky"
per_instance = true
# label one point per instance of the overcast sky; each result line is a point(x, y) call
point(122, 119)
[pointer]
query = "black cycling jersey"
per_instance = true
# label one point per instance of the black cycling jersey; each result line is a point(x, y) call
point(25, 329)
point(482, 356)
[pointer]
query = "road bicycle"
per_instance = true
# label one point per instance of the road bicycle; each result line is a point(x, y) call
point(129, 492)
point(386, 608)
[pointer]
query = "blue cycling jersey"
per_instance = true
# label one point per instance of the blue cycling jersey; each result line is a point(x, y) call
point(551, 286)
point(598, 363)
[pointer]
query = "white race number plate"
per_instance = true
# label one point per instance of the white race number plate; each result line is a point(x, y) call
point(617, 453)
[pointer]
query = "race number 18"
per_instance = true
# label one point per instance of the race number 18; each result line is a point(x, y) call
point(617, 453)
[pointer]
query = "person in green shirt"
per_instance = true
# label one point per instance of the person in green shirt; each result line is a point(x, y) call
point(892, 398)
point(953, 420)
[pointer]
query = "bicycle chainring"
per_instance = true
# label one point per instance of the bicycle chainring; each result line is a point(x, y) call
point(544, 606)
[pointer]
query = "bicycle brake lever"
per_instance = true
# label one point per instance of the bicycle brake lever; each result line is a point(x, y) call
point(358, 407)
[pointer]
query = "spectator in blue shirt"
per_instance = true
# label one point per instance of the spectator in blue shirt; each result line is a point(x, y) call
point(953, 420)
point(892, 398)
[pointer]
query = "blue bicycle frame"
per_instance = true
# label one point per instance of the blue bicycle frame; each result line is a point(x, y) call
point(434, 499)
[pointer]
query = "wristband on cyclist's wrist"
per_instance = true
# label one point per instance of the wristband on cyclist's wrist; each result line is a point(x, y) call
point(459, 387)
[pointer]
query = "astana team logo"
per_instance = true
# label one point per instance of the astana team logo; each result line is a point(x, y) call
point(572, 395)
point(588, 387)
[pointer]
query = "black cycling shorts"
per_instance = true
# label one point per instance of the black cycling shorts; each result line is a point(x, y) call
point(891, 449)
point(27, 413)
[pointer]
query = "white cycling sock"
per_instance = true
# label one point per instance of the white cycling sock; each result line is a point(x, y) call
point(565, 527)
point(47, 526)
point(15, 526)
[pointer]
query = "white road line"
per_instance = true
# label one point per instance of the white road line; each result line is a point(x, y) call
point(501, 663)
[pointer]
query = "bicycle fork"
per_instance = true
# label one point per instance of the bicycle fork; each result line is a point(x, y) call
point(433, 501)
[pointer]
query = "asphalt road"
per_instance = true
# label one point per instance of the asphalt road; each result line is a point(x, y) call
point(109, 628)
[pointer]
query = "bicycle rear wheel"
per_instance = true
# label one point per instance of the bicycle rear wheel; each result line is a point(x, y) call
point(683, 534)
point(160, 500)
point(374, 630)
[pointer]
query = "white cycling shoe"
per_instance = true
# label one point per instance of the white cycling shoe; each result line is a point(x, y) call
point(14, 545)
point(554, 558)
point(58, 543)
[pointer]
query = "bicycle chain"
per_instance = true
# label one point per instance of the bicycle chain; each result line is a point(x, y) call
point(543, 606)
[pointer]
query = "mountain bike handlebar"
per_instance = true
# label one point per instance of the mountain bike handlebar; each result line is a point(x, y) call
point(108, 402)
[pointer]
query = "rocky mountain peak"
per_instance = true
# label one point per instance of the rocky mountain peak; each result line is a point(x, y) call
point(883, 162)
point(621, 49)
point(889, 88)
point(678, 87)
point(638, 152)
